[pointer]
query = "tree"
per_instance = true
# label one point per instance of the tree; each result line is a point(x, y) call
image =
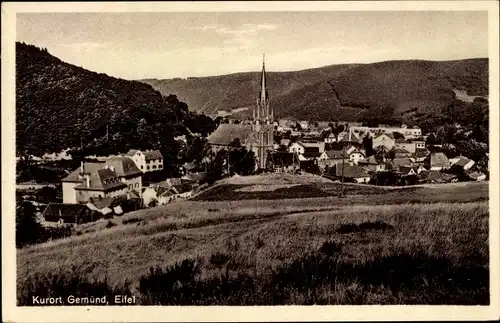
point(368, 145)
point(28, 230)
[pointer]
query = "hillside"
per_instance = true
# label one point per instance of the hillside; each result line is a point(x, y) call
point(388, 246)
point(59, 106)
point(345, 92)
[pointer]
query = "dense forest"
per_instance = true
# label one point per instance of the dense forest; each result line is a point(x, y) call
point(60, 106)
point(391, 90)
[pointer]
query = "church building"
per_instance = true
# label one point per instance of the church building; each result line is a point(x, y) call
point(257, 136)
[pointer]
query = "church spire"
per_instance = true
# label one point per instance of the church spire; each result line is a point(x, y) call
point(263, 85)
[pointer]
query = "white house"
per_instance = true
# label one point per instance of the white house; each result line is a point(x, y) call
point(355, 156)
point(419, 144)
point(148, 160)
point(384, 139)
point(300, 147)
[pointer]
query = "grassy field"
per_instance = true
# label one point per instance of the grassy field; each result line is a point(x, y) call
point(424, 246)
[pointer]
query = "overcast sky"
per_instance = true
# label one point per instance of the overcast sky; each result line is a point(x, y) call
point(167, 45)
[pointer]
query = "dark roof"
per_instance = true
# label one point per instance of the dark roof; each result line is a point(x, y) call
point(102, 179)
point(398, 162)
point(401, 151)
point(152, 154)
point(87, 168)
point(350, 171)
point(70, 213)
point(283, 158)
point(419, 152)
point(194, 177)
point(372, 160)
point(309, 149)
point(102, 203)
point(463, 161)
point(334, 154)
point(438, 177)
point(123, 166)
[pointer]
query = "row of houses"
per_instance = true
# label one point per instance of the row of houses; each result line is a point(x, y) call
point(114, 185)
point(351, 162)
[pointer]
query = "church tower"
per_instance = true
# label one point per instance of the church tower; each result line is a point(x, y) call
point(263, 119)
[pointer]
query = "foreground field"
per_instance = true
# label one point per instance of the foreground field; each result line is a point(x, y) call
point(323, 250)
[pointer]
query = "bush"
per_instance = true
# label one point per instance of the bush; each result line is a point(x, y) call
point(131, 220)
point(110, 224)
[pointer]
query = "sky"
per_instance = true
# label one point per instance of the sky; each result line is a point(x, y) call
point(175, 44)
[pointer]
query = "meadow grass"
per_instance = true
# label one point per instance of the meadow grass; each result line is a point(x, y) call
point(281, 252)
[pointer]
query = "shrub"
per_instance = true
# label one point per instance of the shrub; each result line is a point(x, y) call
point(110, 224)
point(131, 220)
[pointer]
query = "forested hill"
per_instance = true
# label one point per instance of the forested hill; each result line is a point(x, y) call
point(393, 89)
point(61, 106)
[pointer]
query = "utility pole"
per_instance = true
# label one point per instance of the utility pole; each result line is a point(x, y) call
point(342, 181)
point(228, 167)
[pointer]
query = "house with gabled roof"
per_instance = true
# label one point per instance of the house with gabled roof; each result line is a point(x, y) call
point(352, 173)
point(384, 139)
point(117, 176)
point(437, 161)
point(372, 164)
point(401, 152)
point(64, 213)
point(147, 160)
point(332, 157)
point(434, 176)
point(462, 161)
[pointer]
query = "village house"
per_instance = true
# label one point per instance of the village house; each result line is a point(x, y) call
point(462, 161)
point(397, 163)
point(385, 139)
point(68, 214)
point(351, 173)
point(437, 161)
point(437, 177)
point(372, 165)
point(356, 155)
point(411, 170)
point(330, 158)
point(408, 132)
point(408, 145)
point(284, 162)
point(349, 137)
point(420, 154)
point(300, 147)
point(146, 161)
point(401, 152)
point(419, 144)
point(117, 176)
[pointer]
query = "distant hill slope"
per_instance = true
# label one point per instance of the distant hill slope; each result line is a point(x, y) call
point(59, 105)
point(344, 92)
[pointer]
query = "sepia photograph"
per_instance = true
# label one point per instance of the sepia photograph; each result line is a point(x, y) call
point(264, 156)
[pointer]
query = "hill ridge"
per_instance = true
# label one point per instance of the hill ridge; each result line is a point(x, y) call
point(370, 86)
